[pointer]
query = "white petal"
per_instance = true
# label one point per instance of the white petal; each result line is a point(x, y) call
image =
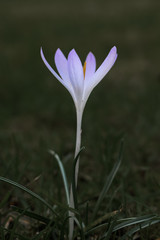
point(65, 83)
point(90, 66)
point(105, 66)
point(49, 67)
point(76, 76)
point(61, 64)
point(100, 73)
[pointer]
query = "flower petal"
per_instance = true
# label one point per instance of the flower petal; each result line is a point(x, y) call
point(75, 71)
point(105, 66)
point(90, 66)
point(65, 83)
point(61, 64)
point(49, 67)
point(100, 73)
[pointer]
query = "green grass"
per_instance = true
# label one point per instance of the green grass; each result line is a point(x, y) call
point(37, 113)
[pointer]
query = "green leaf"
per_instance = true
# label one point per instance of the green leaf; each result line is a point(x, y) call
point(62, 230)
point(110, 230)
point(5, 199)
point(131, 221)
point(105, 217)
point(29, 192)
point(32, 215)
point(141, 226)
point(74, 179)
point(109, 180)
point(44, 233)
point(20, 237)
point(80, 226)
point(94, 229)
point(15, 224)
point(86, 213)
point(143, 222)
point(2, 230)
point(65, 182)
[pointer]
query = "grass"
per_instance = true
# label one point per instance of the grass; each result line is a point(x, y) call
point(37, 113)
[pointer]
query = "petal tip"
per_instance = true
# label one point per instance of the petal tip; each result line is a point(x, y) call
point(72, 54)
point(41, 50)
point(42, 54)
point(114, 49)
point(90, 54)
point(58, 50)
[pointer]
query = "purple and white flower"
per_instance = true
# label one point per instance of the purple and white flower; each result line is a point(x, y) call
point(80, 80)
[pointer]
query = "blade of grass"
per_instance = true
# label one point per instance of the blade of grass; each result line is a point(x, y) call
point(110, 230)
point(109, 180)
point(2, 236)
point(65, 182)
point(20, 237)
point(46, 230)
point(102, 219)
point(73, 185)
point(15, 224)
point(29, 192)
point(138, 228)
point(86, 213)
point(63, 228)
point(5, 199)
point(79, 223)
point(32, 215)
point(132, 221)
point(96, 228)
point(136, 220)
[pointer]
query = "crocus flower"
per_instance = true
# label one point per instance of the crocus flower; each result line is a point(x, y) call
point(79, 81)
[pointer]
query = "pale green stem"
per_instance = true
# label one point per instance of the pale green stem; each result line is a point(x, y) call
point(77, 149)
point(78, 142)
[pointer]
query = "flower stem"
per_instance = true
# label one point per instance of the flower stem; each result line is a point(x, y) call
point(78, 142)
point(77, 149)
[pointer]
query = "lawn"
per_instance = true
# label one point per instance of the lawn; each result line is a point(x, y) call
point(37, 113)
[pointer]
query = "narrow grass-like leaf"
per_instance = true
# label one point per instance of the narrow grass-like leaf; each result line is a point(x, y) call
point(19, 237)
point(124, 223)
point(63, 228)
point(15, 224)
point(29, 192)
point(109, 180)
point(46, 230)
point(110, 230)
point(2, 236)
point(96, 228)
point(133, 221)
point(73, 185)
point(32, 215)
point(5, 199)
point(102, 219)
point(141, 226)
point(65, 182)
point(86, 213)
point(81, 227)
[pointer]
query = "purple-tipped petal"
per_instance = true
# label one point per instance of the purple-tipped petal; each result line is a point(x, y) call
point(105, 66)
point(61, 64)
point(75, 71)
point(90, 66)
point(49, 67)
point(100, 73)
point(67, 85)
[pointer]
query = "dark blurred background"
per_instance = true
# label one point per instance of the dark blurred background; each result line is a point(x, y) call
point(36, 111)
